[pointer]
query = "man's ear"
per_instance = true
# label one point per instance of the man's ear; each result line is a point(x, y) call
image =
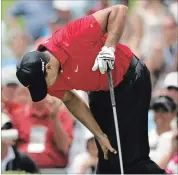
point(48, 66)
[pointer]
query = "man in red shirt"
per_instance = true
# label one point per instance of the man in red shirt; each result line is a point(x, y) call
point(45, 132)
point(70, 60)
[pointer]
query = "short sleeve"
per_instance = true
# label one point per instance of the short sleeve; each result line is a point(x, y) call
point(54, 48)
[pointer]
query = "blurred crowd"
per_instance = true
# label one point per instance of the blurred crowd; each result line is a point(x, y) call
point(45, 135)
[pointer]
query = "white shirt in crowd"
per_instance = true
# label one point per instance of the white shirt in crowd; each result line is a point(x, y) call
point(153, 142)
point(164, 144)
point(78, 162)
point(79, 142)
point(159, 144)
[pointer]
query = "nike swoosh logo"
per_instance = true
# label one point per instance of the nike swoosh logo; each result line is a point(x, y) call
point(76, 70)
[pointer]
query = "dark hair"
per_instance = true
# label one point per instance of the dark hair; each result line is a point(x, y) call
point(163, 103)
point(14, 85)
point(172, 88)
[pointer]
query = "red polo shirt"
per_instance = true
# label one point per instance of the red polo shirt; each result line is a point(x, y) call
point(32, 127)
point(76, 47)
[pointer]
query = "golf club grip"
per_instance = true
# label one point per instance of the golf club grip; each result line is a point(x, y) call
point(113, 101)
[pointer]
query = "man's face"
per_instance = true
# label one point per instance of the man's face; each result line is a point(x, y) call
point(52, 70)
point(170, 30)
point(22, 96)
point(92, 148)
point(173, 93)
point(19, 45)
point(8, 92)
point(163, 119)
point(43, 107)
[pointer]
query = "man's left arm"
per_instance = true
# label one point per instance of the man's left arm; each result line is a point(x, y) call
point(112, 21)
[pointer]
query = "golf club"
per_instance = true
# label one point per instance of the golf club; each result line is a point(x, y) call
point(113, 102)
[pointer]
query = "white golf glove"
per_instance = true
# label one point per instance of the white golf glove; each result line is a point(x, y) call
point(105, 60)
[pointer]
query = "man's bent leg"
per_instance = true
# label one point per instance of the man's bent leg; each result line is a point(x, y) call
point(132, 99)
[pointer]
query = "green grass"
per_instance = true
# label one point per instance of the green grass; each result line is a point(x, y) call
point(5, 4)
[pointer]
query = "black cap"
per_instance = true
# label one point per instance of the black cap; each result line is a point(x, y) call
point(163, 103)
point(31, 74)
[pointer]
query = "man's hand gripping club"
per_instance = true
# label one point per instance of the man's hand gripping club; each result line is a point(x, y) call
point(105, 60)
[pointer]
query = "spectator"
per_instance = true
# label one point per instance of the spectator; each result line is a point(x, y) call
point(164, 111)
point(45, 132)
point(19, 43)
point(22, 97)
point(169, 160)
point(172, 165)
point(173, 9)
point(12, 159)
point(36, 15)
point(155, 63)
point(5, 51)
point(166, 141)
point(63, 8)
point(86, 162)
point(170, 88)
point(76, 9)
point(146, 31)
point(4, 28)
point(171, 84)
point(56, 21)
point(101, 4)
point(171, 45)
point(10, 85)
point(164, 58)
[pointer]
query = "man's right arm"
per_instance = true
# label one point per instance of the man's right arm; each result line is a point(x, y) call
point(112, 21)
point(81, 111)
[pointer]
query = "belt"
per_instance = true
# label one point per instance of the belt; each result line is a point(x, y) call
point(132, 66)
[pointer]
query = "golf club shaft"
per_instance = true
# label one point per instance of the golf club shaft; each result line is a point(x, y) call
point(113, 102)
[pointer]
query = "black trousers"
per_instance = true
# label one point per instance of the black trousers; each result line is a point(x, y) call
point(133, 96)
